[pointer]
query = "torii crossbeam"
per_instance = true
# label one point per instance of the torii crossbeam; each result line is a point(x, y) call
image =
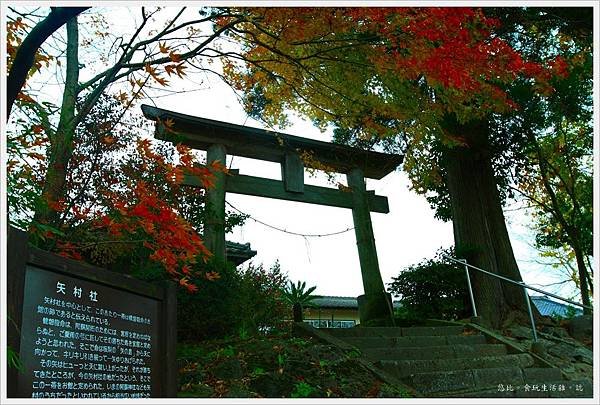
point(220, 138)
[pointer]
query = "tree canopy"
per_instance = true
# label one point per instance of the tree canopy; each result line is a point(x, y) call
point(83, 177)
point(484, 103)
point(440, 84)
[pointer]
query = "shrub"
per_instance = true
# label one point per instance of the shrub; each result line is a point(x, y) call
point(261, 298)
point(213, 310)
point(228, 302)
point(434, 288)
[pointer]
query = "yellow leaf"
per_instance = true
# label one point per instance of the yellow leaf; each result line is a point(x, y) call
point(122, 97)
point(36, 155)
point(343, 187)
point(19, 24)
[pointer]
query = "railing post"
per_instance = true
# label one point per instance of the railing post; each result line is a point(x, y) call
point(470, 288)
point(527, 300)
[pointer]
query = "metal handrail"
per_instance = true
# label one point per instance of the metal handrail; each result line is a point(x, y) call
point(519, 283)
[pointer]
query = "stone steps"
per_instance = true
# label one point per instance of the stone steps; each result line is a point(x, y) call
point(413, 341)
point(434, 352)
point(454, 382)
point(395, 332)
point(406, 368)
point(448, 361)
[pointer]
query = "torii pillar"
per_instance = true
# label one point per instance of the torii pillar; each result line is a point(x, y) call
point(214, 224)
point(375, 305)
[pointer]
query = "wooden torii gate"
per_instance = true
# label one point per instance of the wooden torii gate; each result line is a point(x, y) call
point(220, 138)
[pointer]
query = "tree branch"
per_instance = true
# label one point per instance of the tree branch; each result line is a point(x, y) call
point(25, 55)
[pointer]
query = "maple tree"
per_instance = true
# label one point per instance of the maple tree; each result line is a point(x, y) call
point(26, 54)
point(126, 207)
point(135, 64)
point(424, 81)
point(75, 179)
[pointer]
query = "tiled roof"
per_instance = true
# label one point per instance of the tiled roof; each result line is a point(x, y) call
point(238, 253)
point(339, 302)
point(548, 307)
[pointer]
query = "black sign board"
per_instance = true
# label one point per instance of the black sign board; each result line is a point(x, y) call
point(86, 332)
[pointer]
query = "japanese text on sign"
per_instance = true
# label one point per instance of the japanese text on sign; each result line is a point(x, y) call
point(86, 340)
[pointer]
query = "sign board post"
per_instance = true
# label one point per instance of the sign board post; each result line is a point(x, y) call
point(86, 332)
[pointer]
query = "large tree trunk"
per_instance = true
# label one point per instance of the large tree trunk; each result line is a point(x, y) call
point(61, 144)
point(480, 232)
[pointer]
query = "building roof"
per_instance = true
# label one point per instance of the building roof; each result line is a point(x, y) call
point(326, 301)
point(238, 253)
point(548, 307)
point(256, 143)
point(545, 305)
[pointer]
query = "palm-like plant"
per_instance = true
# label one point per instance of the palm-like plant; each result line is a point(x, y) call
point(298, 296)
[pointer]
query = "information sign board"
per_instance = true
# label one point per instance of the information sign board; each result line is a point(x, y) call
point(86, 332)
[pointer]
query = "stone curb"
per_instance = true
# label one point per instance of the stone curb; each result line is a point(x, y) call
point(503, 340)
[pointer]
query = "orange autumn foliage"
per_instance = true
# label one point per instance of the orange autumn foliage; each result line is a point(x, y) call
point(138, 216)
point(330, 62)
